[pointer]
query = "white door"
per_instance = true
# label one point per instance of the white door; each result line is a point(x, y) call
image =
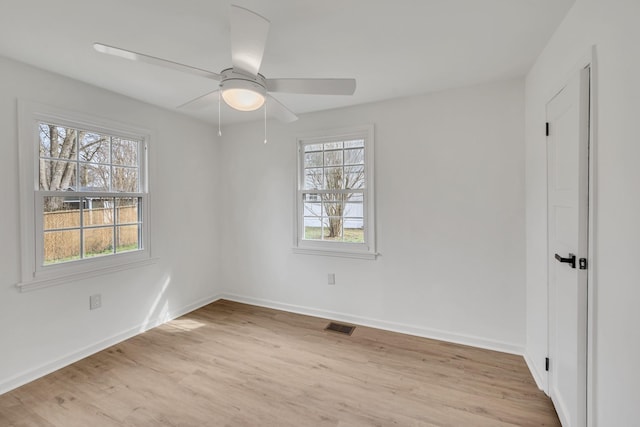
point(568, 191)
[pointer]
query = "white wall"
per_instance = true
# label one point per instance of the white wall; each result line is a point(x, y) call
point(450, 218)
point(612, 26)
point(43, 329)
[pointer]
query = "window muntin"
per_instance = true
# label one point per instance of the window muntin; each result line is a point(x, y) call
point(89, 201)
point(334, 193)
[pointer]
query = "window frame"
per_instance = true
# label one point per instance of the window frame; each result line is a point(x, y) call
point(365, 250)
point(34, 274)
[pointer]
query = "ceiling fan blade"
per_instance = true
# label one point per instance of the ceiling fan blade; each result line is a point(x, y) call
point(248, 38)
point(201, 102)
point(313, 86)
point(141, 57)
point(278, 111)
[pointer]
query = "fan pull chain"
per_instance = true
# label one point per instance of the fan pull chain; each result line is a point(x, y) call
point(265, 121)
point(219, 114)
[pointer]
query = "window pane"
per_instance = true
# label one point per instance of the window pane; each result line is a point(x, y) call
point(125, 152)
point(313, 233)
point(354, 177)
point(313, 147)
point(127, 210)
point(354, 218)
point(45, 140)
point(98, 241)
point(313, 179)
point(333, 227)
point(333, 209)
point(313, 229)
point(333, 179)
point(97, 211)
point(312, 209)
point(94, 177)
point(354, 197)
point(333, 145)
point(57, 142)
point(333, 158)
point(57, 175)
point(127, 238)
point(353, 210)
point(94, 148)
point(353, 233)
point(125, 179)
point(354, 144)
point(332, 197)
point(61, 212)
point(354, 157)
point(61, 246)
point(312, 160)
point(307, 197)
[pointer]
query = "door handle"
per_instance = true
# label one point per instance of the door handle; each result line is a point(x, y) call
point(571, 260)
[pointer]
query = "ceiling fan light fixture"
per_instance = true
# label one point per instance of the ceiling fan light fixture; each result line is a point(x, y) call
point(243, 99)
point(243, 95)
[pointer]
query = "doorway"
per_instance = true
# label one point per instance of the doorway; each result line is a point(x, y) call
point(568, 134)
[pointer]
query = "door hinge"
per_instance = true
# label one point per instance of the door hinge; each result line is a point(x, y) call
point(582, 263)
point(546, 363)
point(546, 129)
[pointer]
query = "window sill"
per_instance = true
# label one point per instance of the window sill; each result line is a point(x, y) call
point(45, 282)
point(336, 253)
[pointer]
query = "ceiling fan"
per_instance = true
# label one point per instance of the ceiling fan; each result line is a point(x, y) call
point(242, 87)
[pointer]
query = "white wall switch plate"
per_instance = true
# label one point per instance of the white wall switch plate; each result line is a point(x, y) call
point(95, 301)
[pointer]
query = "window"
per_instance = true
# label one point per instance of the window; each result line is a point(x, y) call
point(335, 194)
point(84, 185)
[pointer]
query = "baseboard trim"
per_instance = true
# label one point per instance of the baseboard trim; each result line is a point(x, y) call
point(33, 374)
point(381, 324)
point(537, 376)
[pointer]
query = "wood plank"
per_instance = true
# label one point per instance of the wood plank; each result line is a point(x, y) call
point(240, 365)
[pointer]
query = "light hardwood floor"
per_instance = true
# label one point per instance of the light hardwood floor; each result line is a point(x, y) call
point(230, 364)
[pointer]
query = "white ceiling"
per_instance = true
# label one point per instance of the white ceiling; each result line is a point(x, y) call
point(393, 48)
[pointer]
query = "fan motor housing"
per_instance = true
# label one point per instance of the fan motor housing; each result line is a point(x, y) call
point(232, 79)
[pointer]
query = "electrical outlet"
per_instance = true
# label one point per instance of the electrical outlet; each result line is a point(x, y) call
point(95, 301)
point(332, 278)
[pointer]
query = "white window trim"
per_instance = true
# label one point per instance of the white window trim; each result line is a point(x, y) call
point(365, 250)
point(34, 276)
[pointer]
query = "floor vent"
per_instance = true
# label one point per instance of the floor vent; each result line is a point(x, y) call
point(340, 328)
